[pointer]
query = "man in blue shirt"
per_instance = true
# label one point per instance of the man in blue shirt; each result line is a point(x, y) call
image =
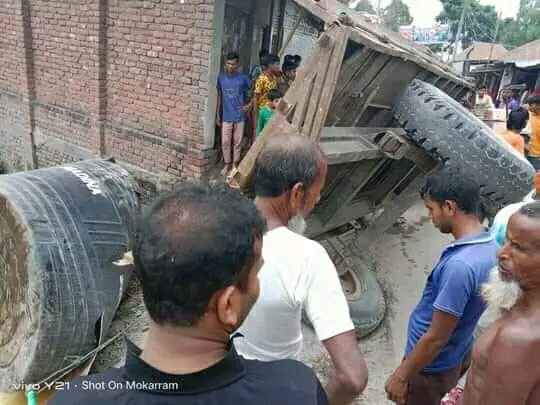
point(440, 331)
point(233, 92)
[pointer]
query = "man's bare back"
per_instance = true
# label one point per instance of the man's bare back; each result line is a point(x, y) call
point(505, 368)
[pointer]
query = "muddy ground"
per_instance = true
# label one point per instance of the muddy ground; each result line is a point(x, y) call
point(404, 257)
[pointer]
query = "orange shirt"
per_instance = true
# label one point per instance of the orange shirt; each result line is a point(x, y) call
point(515, 140)
point(534, 143)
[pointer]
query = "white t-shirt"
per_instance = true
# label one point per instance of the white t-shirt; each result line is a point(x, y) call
point(297, 274)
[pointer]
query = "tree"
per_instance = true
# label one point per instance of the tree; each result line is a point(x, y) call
point(365, 6)
point(479, 22)
point(396, 14)
point(526, 28)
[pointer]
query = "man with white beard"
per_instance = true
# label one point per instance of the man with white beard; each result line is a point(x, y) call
point(500, 294)
point(297, 273)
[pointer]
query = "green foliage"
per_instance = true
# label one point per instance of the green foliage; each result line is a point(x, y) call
point(396, 14)
point(525, 29)
point(365, 6)
point(480, 22)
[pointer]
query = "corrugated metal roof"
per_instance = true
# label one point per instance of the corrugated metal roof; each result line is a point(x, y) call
point(527, 52)
point(482, 51)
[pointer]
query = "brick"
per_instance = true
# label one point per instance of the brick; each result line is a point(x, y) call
point(154, 91)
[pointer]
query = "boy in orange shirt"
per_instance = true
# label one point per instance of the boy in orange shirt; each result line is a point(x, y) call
point(517, 120)
point(534, 123)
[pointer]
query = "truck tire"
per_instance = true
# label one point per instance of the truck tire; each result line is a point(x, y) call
point(365, 297)
point(452, 134)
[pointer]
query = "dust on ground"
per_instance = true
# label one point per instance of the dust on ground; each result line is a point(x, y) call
point(404, 257)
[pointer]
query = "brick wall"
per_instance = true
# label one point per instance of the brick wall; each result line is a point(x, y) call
point(122, 78)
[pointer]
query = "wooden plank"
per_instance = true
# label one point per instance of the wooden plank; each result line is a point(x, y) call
point(328, 208)
point(385, 41)
point(343, 96)
point(350, 132)
point(303, 102)
point(314, 97)
point(427, 62)
point(278, 125)
point(344, 110)
point(327, 93)
point(351, 70)
point(376, 85)
point(346, 151)
point(391, 209)
point(295, 91)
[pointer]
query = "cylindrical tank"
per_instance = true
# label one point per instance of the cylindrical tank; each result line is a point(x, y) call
point(61, 229)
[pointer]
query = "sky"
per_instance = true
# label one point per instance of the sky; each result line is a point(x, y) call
point(425, 11)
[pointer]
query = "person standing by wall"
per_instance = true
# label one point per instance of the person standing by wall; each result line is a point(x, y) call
point(233, 92)
point(440, 330)
point(288, 70)
point(266, 81)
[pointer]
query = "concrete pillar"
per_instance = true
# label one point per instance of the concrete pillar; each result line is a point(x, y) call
point(213, 72)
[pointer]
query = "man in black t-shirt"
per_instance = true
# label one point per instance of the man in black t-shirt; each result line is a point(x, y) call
point(197, 254)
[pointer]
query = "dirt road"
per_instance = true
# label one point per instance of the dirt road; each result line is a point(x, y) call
point(404, 256)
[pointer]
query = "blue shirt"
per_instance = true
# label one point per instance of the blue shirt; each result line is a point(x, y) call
point(513, 105)
point(453, 287)
point(234, 91)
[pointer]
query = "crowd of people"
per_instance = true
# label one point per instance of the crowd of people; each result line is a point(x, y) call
point(522, 114)
point(244, 100)
point(225, 280)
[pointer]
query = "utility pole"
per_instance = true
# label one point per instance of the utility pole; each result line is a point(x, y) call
point(460, 28)
point(495, 36)
point(379, 14)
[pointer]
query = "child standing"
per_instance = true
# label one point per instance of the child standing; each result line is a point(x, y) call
point(267, 111)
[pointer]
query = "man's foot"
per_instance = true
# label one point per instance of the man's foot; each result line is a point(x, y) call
point(226, 169)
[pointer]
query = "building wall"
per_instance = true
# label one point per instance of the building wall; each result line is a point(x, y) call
point(305, 34)
point(123, 78)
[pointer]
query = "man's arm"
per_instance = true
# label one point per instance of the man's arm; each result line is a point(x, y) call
point(328, 311)
point(429, 345)
point(349, 370)
point(457, 285)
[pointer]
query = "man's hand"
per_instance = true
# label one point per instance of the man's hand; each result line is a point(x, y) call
point(396, 388)
point(218, 122)
point(246, 108)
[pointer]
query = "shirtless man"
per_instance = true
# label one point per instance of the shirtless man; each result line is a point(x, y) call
point(500, 294)
point(504, 367)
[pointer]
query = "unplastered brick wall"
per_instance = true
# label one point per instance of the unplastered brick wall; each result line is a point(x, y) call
point(14, 125)
point(122, 78)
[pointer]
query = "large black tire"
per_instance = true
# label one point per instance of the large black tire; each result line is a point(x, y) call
point(452, 134)
point(364, 295)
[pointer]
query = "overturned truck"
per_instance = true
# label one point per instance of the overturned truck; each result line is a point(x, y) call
point(386, 114)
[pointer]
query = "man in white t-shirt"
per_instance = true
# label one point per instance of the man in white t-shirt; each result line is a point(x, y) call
point(298, 274)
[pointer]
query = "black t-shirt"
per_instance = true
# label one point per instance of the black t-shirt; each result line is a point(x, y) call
point(232, 381)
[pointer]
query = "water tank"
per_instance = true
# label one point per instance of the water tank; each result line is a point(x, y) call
point(61, 229)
